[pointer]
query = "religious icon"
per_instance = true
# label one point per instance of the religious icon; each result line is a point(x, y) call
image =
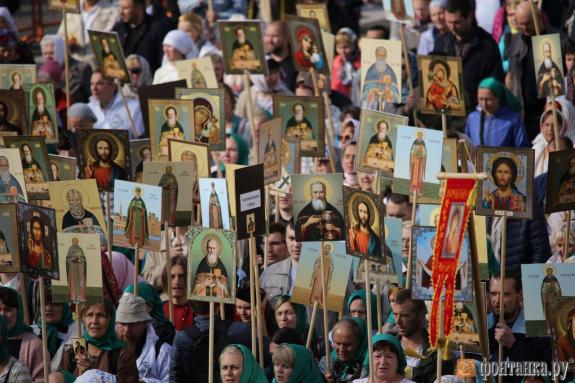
point(80, 257)
point(363, 213)
point(35, 164)
point(15, 76)
point(442, 85)
point(9, 249)
point(79, 346)
point(290, 164)
point(250, 223)
point(13, 112)
point(561, 322)
point(103, 156)
point(454, 223)
point(269, 144)
point(376, 143)
point(169, 119)
point(380, 73)
point(307, 44)
point(175, 178)
point(318, 204)
point(303, 118)
point(158, 91)
point(63, 168)
point(249, 199)
point(78, 207)
point(70, 6)
point(466, 324)
point(140, 152)
point(109, 55)
point(12, 184)
point(38, 240)
point(209, 115)
point(508, 188)
point(417, 161)
point(42, 111)
point(308, 285)
point(561, 181)
point(242, 46)
point(548, 62)
point(543, 285)
point(423, 243)
point(137, 215)
point(214, 203)
point(212, 265)
point(199, 73)
point(316, 11)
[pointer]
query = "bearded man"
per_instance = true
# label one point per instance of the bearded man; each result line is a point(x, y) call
point(5, 125)
point(38, 256)
point(76, 213)
point(549, 74)
point(211, 275)
point(319, 220)
point(33, 172)
point(298, 125)
point(104, 169)
point(380, 85)
point(362, 238)
point(10, 189)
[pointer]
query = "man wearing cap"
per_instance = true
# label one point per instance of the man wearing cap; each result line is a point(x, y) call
point(134, 327)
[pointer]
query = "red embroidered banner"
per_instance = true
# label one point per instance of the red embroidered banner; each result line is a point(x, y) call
point(458, 201)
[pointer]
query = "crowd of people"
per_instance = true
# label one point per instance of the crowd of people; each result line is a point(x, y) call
point(128, 338)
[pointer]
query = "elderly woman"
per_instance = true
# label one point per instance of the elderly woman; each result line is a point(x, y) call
point(140, 75)
point(295, 364)
point(104, 352)
point(349, 342)
point(544, 142)
point(238, 365)
point(21, 343)
point(388, 361)
point(178, 45)
point(435, 29)
point(357, 307)
point(11, 369)
point(497, 122)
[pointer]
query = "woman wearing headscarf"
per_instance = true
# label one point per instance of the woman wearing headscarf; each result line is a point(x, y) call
point(162, 325)
point(60, 329)
point(140, 75)
point(238, 365)
point(178, 45)
point(349, 343)
point(293, 363)
point(436, 28)
point(544, 142)
point(237, 152)
point(357, 306)
point(21, 344)
point(104, 352)
point(388, 361)
point(11, 369)
point(497, 122)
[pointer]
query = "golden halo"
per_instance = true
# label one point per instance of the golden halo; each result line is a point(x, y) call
point(311, 180)
point(512, 157)
point(172, 107)
point(561, 320)
point(548, 267)
point(420, 131)
point(379, 121)
point(543, 42)
point(112, 139)
point(213, 236)
point(75, 186)
point(358, 198)
point(328, 246)
point(434, 213)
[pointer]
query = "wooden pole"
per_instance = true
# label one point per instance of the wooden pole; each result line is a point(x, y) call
point(439, 339)
point(169, 273)
point(556, 134)
point(251, 119)
point(130, 117)
point(535, 18)
point(369, 324)
point(410, 256)
point(66, 65)
point(566, 236)
point(330, 135)
point(136, 267)
point(444, 124)
point(407, 65)
point(316, 90)
point(22, 287)
point(45, 353)
point(502, 284)
point(211, 343)
point(378, 306)
point(252, 250)
point(277, 201)
point(78, 319)
point(110, 226)
point(266, 236)
point(311, 325)
point(259, 315)
point(218, 164)
point(325, 312)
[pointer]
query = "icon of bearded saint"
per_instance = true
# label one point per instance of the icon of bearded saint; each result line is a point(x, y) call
point(10, 189)
point(171, 128)
point(549, 75)
point(319, 220)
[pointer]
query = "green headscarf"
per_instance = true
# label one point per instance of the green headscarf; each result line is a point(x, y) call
point(108, 342)
point(361, 351)
point(300, 312)
point(398, 349)
point(19, 328)
point(305, 369)
point(361, 294)
point(503, 94)
point(4, 354)
point(152, 298)
point(52, 329)
point(252, 372)
point(243, 149)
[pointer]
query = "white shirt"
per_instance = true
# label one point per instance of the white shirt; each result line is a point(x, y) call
point(166, 73)
point(114, 116)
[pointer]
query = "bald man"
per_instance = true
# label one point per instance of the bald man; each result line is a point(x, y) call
point(522, 71)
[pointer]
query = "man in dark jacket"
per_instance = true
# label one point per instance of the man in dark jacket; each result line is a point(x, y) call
point(139, 33)
point(477, 49)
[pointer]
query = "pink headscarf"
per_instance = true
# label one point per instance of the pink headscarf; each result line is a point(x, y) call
point(52, 69)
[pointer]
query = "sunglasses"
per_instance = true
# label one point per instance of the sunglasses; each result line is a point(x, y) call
point(135, 70)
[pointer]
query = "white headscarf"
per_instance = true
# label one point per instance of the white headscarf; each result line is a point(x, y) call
point(59, 49)
point(182, 42)
point(5, 13)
